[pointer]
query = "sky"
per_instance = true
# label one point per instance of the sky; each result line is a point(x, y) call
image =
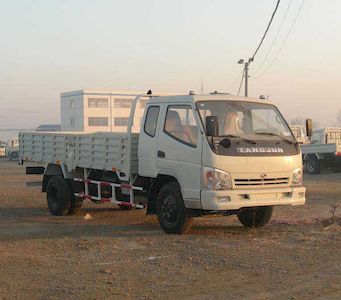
point(54, 46)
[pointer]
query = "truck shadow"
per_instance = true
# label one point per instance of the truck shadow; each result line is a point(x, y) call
point(16, 214)
point(24, 223)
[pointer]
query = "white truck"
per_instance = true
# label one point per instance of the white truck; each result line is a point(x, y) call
point(194, 155)
point(300, 133)
point(12, 149)
point(323, 151)
point(2, 149)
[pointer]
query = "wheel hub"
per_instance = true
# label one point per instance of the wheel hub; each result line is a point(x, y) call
point(310, 166)
point(169, 209)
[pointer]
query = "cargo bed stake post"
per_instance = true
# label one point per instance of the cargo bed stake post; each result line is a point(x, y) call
point(113, 194)
point(86, 187)
point(130, 126)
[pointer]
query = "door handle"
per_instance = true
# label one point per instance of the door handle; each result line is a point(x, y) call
point(161, 154)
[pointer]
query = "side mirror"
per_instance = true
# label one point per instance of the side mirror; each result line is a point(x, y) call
point(309, 127)
point(212, 126)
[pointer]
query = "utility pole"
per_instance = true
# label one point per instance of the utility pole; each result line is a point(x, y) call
point(246, 66)
point(246, 73)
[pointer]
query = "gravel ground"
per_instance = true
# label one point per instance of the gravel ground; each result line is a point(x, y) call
point(124, 254)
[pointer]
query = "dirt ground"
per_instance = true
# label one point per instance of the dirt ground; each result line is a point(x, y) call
point(125, 255)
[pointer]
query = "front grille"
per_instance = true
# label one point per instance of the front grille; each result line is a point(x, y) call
point(261, 182)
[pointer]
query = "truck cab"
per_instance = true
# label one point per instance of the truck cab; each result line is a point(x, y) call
point(249, 163)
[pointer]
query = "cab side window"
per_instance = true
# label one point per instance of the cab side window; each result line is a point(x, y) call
point(151, 120)
point(181, 125)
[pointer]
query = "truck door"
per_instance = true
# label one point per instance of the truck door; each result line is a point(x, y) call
point(147, 149)
point(179, 150)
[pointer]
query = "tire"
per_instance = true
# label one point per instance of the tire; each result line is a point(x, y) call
point(255, 216)
point(171, 210)
point(76, 205)
point(313, 165)
point(59, 196)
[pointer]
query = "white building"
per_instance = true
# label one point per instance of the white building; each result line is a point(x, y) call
point(99, 110)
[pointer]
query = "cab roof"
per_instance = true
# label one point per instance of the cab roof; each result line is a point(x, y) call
point(210, 97)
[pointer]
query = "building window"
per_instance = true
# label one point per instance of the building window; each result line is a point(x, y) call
point(121, 121)
point(72, 103)
point(151, 120)
point(97, 102)
point(72, 122)
point(122, 103)
point(92, 121)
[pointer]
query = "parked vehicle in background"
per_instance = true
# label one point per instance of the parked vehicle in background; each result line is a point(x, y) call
point(300, 133)
point(2, 149)
point(194, 155)
point(12, 149)
point(324, 150)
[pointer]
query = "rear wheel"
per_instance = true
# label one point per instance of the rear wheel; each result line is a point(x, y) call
point(171, 210)
point(59, 196)
point(313, 165)
point(336, 169)
point(255, 216)
point(76, 205)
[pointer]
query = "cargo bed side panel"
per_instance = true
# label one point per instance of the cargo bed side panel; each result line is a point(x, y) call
point(100, 150)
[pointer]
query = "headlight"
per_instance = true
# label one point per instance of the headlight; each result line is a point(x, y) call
point(216, 180)
point(297, 177)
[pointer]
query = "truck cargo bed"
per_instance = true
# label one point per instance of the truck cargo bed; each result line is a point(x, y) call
point(320, 148)
point(100, 150)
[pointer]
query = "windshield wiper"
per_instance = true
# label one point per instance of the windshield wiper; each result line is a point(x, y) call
point(274, 134)
point(239, 137)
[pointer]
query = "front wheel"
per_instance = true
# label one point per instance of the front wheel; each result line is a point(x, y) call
point(255, 216)
point(313, 165)
point(171, 210)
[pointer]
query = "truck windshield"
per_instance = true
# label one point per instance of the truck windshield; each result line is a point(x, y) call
point(248, 120)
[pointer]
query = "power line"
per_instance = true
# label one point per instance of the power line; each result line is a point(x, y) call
point(286, 38)
point(274, 40)
point(251, 59)
point(266, 31)
point(241, 83)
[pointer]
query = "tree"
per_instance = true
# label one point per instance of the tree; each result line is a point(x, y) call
point(297, 121)
point(301, 121)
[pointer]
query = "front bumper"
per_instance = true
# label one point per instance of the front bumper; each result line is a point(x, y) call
point(235, 199)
